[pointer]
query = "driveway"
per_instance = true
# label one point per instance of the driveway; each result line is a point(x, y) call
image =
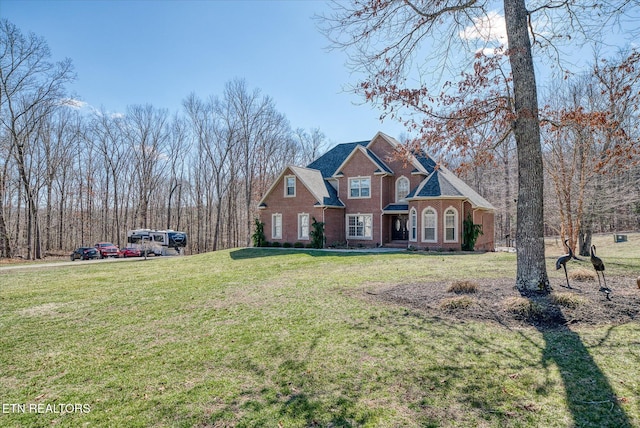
point(35, 265)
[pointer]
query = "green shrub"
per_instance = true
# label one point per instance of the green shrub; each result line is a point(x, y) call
point(470, 233)
point(298, 245)
point(287, 245)
point(258, 235)
point(276, 244)
point(317, 234)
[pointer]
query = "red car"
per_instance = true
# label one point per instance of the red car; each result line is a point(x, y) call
point(107, 249)
point(130, 252)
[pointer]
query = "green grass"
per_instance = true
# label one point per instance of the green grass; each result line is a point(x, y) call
point(269, 337)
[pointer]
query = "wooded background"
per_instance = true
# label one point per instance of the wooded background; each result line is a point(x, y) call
point(69, 177)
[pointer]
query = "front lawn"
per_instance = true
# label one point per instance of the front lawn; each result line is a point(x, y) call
point(294, 338)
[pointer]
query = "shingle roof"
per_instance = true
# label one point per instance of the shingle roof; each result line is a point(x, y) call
point(440, 183)
point(443, 183)
point(474, 197)
point(435, 185)
point(328, 163)
point(382, 167)
point(428, 163)
point(332, 200)
point(312, 179)
point(396, 208)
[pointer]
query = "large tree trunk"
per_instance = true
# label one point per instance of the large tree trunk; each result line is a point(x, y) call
point(532, 271)
point(507, 198)
point(5, 245)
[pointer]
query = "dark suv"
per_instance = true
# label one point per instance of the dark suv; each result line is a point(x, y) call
point(85, 253)
point(107, 249)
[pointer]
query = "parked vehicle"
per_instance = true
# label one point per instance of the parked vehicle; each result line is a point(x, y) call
point(85, 253)
point(157, 242)
point(107, 249)
point(130, 252)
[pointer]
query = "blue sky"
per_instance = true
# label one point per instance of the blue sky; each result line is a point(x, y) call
point(130, 52)
point(158, 52)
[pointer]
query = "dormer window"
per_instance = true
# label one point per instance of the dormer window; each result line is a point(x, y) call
point(402, 189)
point(290, 186)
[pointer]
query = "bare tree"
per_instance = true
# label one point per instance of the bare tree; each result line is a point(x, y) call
point(147, 133)
point(260, 129)
point(60, 132)
point(216, 135)
point(178, 147)
point(385, 37)
point(5, 150)
point(31, 87)
point(107, 134)
point(311, 145)
point(591, 136)
point(77, 178)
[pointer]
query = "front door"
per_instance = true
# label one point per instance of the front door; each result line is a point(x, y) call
point(399, 228)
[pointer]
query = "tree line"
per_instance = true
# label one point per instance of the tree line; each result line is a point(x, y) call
point(71, 178)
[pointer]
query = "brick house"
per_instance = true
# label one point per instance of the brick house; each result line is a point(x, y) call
point(367, 197)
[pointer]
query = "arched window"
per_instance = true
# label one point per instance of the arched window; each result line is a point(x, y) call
point(451, 225)
point(402, 188)
point(413, 225)
point(429, 225)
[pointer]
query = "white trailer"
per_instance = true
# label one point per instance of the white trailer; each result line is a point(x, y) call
point(158, 242)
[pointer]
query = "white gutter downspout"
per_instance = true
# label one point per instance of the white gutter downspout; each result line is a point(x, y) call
point(381, 212)
point(324, 222)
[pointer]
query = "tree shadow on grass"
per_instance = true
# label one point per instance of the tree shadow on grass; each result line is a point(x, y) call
point(587, 394)
point(254, 253)
point(590, 397)
point(288, 396)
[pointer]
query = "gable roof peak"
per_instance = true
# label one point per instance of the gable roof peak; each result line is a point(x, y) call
point(392, 141)
point(442, 183)
point(312, 180)
point(329, 163)
point(382, 168)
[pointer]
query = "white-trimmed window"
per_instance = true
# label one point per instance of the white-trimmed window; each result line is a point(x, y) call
point(276, 226)
point(303, 226)
point(451, 225)
point(360, 226)
point(402, 189)
point(360, 187)
point(413, 225)
point(289, 186)
point(429, 225)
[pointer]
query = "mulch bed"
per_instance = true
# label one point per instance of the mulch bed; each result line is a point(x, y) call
point(497, 300)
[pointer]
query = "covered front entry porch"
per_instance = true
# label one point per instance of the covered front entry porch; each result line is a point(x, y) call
point(396, 223)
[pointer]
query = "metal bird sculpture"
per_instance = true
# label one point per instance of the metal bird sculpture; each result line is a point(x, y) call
point(562, 261)
point(598, 265)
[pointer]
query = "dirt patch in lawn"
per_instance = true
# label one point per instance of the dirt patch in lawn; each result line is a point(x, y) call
point(497, 300)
